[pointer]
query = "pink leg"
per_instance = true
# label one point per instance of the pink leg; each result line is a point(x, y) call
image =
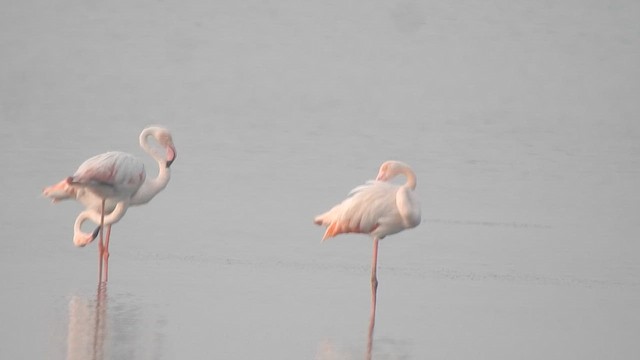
point(101, 243)
point(100, 251)
point(106, 254)
point(374, 291)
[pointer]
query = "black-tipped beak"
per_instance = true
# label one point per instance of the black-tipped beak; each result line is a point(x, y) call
point(95, 233)
point(171, 156)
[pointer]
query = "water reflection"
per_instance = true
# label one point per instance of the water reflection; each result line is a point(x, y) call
point(114, 327)
point(372, 323)
point(87, 326)
point(328, 351)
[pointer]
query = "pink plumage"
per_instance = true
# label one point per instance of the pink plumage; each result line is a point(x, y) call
point(107, 184)
point(377, 208)
point(115, 175)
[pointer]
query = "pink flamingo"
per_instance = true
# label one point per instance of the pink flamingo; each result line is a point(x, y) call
point(107, 184)
point(377, 208)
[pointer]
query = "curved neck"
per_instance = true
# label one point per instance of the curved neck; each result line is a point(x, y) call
point(110, 218)
point(411, 177)
point(151, 187)
point(81, 238)
point(144, 144)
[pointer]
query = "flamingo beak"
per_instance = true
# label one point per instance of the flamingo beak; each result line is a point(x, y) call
point(95, 233)
point(81, 240)
point(171, 155)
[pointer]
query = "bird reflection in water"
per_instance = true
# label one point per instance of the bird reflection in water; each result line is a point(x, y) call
point(87, 326)
point(372, 323)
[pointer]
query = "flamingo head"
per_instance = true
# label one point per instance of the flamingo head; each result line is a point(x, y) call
point(389, 170)
point(171, 155)
point(164, 138)
point(81, 239)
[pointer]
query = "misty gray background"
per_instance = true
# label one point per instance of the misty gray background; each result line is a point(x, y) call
point(520, 119)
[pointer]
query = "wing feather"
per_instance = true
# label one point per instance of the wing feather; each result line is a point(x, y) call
point(367, 208)
point(122, 172)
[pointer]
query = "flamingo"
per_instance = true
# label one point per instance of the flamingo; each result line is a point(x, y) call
point(377, 208)
point(107, 184)
point(64, 190)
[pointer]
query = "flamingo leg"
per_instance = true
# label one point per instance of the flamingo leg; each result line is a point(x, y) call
point(106, 254)
point(374, 280)
point(101, 243)
point(374, 291)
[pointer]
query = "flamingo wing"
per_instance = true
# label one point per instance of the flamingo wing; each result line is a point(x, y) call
point(369, 208)
point(121, 172)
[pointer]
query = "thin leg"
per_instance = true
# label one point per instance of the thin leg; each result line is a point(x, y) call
point(106, 254)
point(374, 281)
point(100, 250)
point(101, 243)
point(374, 291)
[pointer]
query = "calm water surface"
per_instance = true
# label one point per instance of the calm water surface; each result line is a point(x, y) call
point(519, 118)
